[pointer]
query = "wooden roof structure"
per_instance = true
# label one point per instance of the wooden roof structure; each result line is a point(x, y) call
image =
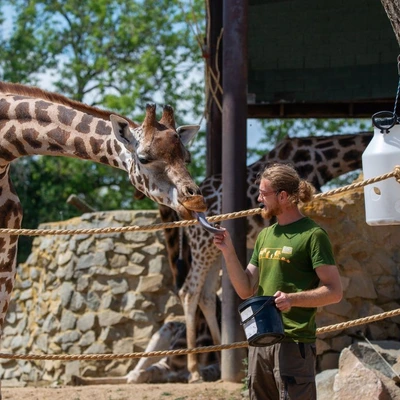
point(318, 58)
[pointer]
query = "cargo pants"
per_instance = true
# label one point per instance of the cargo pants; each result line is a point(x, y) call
point(283, 371)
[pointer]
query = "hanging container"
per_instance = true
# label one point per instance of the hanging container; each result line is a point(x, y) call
point(382, 199)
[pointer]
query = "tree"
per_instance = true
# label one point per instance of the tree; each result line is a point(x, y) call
point(115, 53)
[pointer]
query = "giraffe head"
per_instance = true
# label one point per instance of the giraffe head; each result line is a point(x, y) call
point(157, 158)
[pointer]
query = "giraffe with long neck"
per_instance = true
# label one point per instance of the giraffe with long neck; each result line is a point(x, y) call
point(318, 159)
point(37, 122)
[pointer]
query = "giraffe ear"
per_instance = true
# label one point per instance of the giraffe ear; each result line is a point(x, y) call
point(121, 129)
point(187, 133)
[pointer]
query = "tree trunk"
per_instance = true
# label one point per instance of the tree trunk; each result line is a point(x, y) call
point(392, 8)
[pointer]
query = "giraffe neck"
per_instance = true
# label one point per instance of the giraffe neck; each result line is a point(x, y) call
point(33, 126)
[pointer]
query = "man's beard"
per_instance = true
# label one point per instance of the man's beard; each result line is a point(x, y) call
point(268, 213)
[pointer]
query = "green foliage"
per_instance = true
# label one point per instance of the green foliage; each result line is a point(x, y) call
point(119, 54)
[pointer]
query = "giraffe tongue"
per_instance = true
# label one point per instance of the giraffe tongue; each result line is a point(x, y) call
point(204, 223)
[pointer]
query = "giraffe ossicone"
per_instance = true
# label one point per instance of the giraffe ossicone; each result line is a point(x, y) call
point(37, 122)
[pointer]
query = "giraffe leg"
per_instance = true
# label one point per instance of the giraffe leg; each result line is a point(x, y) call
point(204, 254)
point(160, 341)
point(190, 302)
point(207, 302)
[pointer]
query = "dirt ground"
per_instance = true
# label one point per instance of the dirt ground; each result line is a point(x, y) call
point(167, 391)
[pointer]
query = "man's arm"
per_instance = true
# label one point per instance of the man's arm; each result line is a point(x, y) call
point(244, 281)
point(329, 291)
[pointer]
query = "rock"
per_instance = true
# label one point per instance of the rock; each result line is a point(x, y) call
point(355, 378)
point(324, 382)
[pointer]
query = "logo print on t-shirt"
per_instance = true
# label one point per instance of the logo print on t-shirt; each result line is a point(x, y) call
point(275, 253)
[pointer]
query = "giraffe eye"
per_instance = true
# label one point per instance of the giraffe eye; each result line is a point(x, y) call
point(143, 160)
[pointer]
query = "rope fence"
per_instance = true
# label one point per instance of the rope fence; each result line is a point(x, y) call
point(180, 352)
point(343, 325)
point(177, 224)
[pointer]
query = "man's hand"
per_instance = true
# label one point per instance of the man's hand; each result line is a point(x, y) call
point(282, 301)
point(223, 240)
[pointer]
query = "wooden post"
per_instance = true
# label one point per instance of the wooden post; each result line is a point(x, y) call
point(213, 57)
point(234, 171)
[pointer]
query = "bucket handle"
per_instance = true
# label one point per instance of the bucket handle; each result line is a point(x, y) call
point(267, 302)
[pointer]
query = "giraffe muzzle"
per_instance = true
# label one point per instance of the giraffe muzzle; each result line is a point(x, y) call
point(195, 203)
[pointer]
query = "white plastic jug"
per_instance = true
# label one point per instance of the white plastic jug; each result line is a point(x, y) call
point(382, 199)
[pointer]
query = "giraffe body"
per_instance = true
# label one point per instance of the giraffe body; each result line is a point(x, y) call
point(35, 122)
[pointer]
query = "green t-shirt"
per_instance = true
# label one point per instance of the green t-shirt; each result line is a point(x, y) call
point(287, 256)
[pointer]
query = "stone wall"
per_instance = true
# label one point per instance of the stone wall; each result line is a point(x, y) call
point(108, 293)
point(81, 294)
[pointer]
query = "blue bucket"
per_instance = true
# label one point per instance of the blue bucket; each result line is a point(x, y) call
point(262, 321)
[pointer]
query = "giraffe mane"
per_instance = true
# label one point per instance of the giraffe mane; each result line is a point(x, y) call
point(33, 91)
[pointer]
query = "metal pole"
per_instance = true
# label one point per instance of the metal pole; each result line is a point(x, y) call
point(214, 71)
point(234, 148)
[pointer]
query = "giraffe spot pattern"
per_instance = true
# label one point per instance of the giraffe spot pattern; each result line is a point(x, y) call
point(11, 137)
point(22, 111)
point(66, 115)
point(6, 155)
point(30, 135)
point(285, 151)
point(41, 112)
point(325, 173)
point(84, 125)
point(95, 145)
point(301, 156)
point(9, 217)
point(102, 128)
point(58, 135)
point(55, 148)
point(305, 170)
point(318, 158)
point(345, 143)
point(80, 148)
point(331, 153)
point(104, 160)
point(109, 147)
point(4, 109)
point(117, 147)
point(139, 180)
point(351, 155)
